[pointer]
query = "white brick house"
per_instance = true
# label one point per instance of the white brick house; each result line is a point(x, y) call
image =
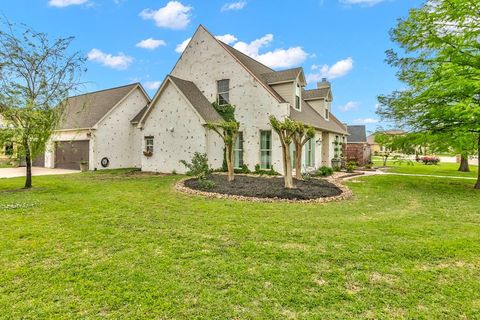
point(96, 126)
point(173, 125)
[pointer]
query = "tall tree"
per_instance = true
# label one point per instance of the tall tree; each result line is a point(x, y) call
point(302, 134)
point(36, 76)
point(441, 68)
point(227, 129)
point(285, 130)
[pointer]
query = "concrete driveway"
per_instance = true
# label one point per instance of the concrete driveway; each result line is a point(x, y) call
point(36, 171)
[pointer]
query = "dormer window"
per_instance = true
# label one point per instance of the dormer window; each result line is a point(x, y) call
point(223, 88)
point(297, 96)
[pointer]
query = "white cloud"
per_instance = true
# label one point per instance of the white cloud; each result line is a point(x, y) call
point(152, 85)
point(119, 62)
point(337, 70)
point(278, 58)
point(365, 121)
point(65, 3)
point(351, 105)
point(239, 5)
point(361, 2)
point(227, 38)
point(174, 15)
point(151, 43)
point(181, 46)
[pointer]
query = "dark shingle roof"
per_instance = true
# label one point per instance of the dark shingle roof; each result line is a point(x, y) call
point(314, 94)
point(197, 99)
point(139, 116)
point(281, 76)
point(311, 117)
point(84, 111)
point(358, 134)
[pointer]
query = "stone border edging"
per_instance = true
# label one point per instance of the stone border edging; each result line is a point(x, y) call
point(346, 194)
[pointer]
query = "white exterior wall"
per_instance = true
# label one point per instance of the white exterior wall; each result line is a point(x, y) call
point(205, 62)
point(116, 138)
point(177, 131)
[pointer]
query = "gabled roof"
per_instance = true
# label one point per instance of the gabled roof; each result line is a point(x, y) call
point(316, 94)
point(196, 99)
point(139, 116)
point(283, 76)
point(358, 134)
point(311, 117)
point(86, 110)
point(192, 94)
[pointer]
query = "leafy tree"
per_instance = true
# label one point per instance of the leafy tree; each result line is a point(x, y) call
point(441, 69)
point(227, 129)
point(302, 134)
point(285, 130)
point(36, 76)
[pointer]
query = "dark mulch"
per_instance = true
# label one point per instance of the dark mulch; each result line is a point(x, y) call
point(262, 187)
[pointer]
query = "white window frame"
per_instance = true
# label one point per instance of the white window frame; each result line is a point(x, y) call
point(238, 151)
point(266, 150)
point(149, 144)
point(221, 93)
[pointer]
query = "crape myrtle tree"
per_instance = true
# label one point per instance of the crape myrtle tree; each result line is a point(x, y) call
point(286, 130)
point(302, 134)
point(36, 76)
point(227, 129)
point(440, 66)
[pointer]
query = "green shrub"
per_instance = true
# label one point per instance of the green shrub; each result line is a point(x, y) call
point(270, 172)
point(324, 171)
point(198, 167)
point(351, 165)
point(244, 169)
point(206, 184)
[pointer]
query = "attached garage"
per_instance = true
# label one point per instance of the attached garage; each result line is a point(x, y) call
point(69, 154)
point(39, 161)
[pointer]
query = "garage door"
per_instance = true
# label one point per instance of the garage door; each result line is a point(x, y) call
point(39, 161)
point(68, 154)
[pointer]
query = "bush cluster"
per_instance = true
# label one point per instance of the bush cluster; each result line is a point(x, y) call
point(430, 160)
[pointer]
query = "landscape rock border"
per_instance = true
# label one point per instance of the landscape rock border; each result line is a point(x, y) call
point(346, 194)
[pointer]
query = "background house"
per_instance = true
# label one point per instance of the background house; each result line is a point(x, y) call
point(209, 70)
point(375, 147)
point(96, 126)
point(358, 149)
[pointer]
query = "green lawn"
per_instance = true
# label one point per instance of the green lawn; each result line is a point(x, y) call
point(115, 245)
point(443, 168)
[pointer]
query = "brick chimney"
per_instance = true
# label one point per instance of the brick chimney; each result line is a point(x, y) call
point(323, 84)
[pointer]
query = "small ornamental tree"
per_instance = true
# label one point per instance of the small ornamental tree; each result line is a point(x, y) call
point(285, 131)
point(227, 129)
point(303, 133)
point(36, 76)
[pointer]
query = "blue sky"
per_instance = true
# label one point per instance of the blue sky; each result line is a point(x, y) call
point(139, 40)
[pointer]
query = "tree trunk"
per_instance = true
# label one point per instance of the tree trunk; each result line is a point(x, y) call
point(477, 185)
point(464, 163)
point(231, 173)
point(287, 167)
point(28, 161)
point(298, 162)
point(385, 158)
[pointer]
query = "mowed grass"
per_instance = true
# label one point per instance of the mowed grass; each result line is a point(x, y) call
point(441, 169)
point(114, 245)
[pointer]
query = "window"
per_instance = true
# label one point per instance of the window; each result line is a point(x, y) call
point(292, 154)
point(9, 149)
point(265, 149)
point(310, 153)
point(149, 144)
point(327, 113)
point(239, 151)
point(297, 97)
point(223, 96)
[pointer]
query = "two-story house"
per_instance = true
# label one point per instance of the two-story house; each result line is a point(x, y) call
point(173, 126)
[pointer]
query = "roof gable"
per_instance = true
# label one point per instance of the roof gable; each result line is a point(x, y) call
point(86, 110)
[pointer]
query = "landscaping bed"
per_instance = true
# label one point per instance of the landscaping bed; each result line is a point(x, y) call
point(268, 187)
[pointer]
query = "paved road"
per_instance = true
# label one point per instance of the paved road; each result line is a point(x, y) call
point(36, 171)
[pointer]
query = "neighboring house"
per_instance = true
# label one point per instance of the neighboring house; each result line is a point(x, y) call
point(375, 147)
point(358, 148)
point(7, 149)
point(97, 128)
point(173, 125)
